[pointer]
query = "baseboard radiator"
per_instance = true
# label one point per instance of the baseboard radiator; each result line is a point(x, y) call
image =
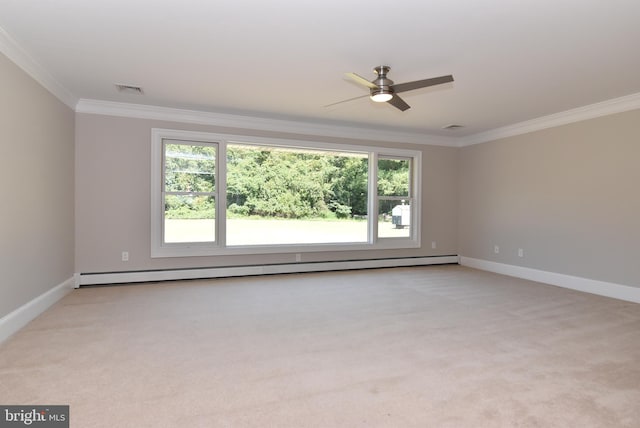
point(103, 278)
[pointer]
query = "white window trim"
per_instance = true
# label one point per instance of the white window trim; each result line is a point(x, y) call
point(416, 170)
point(159, 249)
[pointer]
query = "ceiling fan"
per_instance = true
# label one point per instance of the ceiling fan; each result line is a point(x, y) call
point(382, 89)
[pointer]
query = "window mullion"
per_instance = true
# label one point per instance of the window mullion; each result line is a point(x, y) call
point(221, 188)
point(372, 218)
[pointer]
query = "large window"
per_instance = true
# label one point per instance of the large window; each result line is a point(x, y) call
point(221, 194)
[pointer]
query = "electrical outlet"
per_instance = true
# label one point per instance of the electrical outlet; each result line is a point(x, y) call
point(520, 252)
point(496, 249)
point(125, 256)
point(433, 245)
point(298, 257)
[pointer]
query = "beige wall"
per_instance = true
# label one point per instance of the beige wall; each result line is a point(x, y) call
point(113, 199)
point(569, 196)
point(37, 176)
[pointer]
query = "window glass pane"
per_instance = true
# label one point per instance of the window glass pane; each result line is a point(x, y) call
point(189, 168)
point(394, 219)
point(295, 196)
point(189, 218)
point(393, 177)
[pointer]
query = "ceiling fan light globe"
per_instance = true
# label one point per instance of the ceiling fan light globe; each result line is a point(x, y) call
point(382, 97)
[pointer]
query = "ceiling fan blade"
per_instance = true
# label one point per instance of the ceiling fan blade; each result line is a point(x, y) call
point(360, 80)
point(399, 103)
point(409, 86)
point(344, 101)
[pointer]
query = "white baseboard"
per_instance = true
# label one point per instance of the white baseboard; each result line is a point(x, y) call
point(219, 272)
point(602, 288)
point(14, 321)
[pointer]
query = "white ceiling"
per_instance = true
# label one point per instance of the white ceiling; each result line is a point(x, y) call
point(512, 61)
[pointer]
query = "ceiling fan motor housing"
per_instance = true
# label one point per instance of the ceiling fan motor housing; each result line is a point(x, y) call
point(382, 82)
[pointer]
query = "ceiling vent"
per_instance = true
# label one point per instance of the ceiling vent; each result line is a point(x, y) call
point(453, 126)
point(129, 89)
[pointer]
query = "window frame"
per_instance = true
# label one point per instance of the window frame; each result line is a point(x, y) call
point(190, 249)
point(215, 193)
point(410, 197)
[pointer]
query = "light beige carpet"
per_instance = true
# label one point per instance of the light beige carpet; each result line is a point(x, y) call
point(408, 347)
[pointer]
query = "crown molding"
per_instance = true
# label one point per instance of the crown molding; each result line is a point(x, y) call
point(141, 111)
point(13, 51)
point(592, 111)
